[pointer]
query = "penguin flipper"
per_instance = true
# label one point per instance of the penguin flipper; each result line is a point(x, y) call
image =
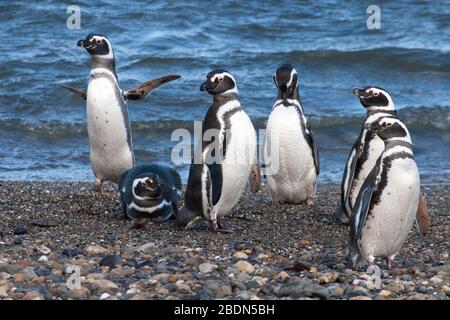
point(313, 146)
point(350, 174)
point(423, 217)
point(362, 204)
point(76, 91)
point(141, 91)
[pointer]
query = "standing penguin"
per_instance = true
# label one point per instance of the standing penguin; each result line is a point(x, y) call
point(150, 191)
point(111, 148)
point(387, 202)
point(227, 156)
point(290, 151)
point(365, 152)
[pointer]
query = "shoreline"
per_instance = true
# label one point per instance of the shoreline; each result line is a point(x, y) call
point(282, 251)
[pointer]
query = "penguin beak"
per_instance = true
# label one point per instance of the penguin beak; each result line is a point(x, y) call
point(359, 93)
point(82, 43)
point(284, 96)
point(207, 86)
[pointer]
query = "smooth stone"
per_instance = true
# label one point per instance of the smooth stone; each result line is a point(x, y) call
point(20, 230)
point(244, 266)
point(104, 285)
point(303, 288)
point(328, 277)
point(118, 273)
point(111, 261)
point(240, 255)
point(92, 250)
point(71, 252)
point(207, 267)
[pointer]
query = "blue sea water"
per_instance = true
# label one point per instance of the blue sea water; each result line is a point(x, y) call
point(43, 128)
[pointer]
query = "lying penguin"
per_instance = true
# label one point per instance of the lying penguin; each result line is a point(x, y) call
point(387, 202)
point(111, 146)
point(150, 191)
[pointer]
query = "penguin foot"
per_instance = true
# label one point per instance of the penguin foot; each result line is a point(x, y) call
point(391, 263)
point(139, 223)
point(309, 201)
point(341, 217)
point(226, 227)
point(98, 186)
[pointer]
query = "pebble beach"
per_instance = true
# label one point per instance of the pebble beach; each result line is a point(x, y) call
point(47, 230)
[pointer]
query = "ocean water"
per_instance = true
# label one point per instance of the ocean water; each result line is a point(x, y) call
point(43, 128)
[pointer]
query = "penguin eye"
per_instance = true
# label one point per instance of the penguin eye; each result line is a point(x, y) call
point(375, 94)
point(98, 41)
point(389, 124)
point(220, 79)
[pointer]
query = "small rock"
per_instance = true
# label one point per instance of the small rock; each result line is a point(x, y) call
point(43, 223)
point(43, 259)
point(303, 288)
point(223, 291)
point(207, 267)
point(328, 277)
point(33, 295)
point(243, 295)
point(104, 296)
point(244, 266)
point(395, 287)
point(43, 250)
point(118, 273)
point(436, 280)
point(183, 288)
point(93, 250)
point(284, 276)
point(195, 261)
point(111, 261)
point(71, 252)
point(29, 273)
point(240, 255)
point(104, 285)
point(3, 292)
point(20, 230)
point(360, 298)
point(385, 293)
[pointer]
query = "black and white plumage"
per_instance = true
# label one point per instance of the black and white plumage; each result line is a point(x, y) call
point(386, 205)
point(227, 155)
point(367, 148)
point(111, 147)
point(291, 157)
point(150, 191)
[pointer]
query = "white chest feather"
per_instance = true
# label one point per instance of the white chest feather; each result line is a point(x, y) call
point(107, 129)
point(390, 220)
point(289, 161)
point(240, 155)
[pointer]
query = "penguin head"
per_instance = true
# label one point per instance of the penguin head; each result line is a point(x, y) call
point(389, 128)
point(219, 81)
point(147, 187)
point(374, 98)
point(97, 45)
point(286, 80)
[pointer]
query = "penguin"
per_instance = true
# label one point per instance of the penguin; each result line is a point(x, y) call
point(290, 151)
point(387, 202)
point(365, 152)
point(227, 156)
point(111, 147)
point(150, 191)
